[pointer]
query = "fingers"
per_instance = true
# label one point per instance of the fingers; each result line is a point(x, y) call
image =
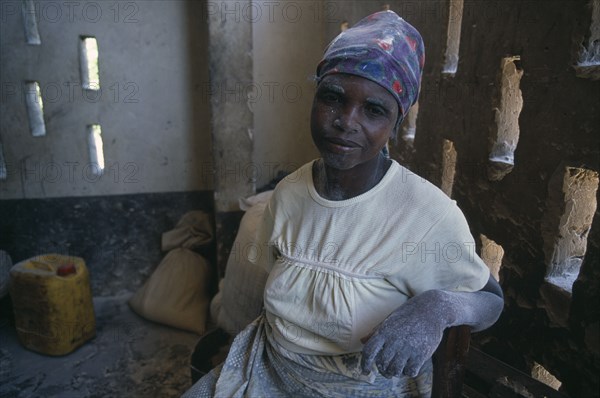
point(413, 366)
point(390, 360)
point(385, 359)
point(399, 364)
point(370, 352)
point(411, 371)
point(396, 365)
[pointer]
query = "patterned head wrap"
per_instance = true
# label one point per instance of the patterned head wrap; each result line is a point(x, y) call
point(383, 48)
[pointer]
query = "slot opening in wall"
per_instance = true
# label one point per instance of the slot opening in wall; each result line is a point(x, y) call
point(540, 373)
point(455, 12)
point(90, 73)
point(587, 64)
point(32, 34)
point(566, 253)
point(505, 132)
point(448, 167)
point(3, 171)
point(492, 254)
point(35, 109)
point(96, 148)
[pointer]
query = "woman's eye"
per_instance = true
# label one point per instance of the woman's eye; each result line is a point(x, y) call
point(375, 110)
point(329, 97)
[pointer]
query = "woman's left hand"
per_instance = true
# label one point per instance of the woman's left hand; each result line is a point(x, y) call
point(406, 338)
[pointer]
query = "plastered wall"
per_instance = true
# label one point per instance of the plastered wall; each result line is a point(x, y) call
point(153, 105)
point(288, 42)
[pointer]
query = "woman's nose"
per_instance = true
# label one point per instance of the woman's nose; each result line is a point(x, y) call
point(347, 119)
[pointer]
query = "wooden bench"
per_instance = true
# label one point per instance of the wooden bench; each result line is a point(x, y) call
point(463, 371)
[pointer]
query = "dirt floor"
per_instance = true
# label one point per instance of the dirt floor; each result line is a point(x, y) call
point(129, 357)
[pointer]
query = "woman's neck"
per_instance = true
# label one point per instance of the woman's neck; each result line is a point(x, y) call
point(335, 184)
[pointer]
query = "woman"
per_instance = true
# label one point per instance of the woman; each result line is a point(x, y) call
point(368, 264)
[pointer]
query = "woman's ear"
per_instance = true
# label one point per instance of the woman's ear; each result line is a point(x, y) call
point(396, 128)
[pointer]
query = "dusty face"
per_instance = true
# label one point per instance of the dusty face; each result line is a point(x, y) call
point(352, 119)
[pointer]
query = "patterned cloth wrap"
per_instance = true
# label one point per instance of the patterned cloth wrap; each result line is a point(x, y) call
point(258, 367)
point(383, 48)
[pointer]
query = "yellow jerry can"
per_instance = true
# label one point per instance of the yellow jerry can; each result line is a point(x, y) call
point(52, 301)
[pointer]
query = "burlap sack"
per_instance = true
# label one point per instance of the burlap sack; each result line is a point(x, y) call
point(192, 231)
point(176, 294)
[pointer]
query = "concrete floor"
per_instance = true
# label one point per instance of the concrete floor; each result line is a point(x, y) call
point(129, 357)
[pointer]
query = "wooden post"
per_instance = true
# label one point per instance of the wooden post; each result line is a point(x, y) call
point(449, 362)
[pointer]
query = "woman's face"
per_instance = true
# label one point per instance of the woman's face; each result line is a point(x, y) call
point(352, 119)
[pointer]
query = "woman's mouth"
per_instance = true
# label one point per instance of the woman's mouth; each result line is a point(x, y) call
point(341, 145)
